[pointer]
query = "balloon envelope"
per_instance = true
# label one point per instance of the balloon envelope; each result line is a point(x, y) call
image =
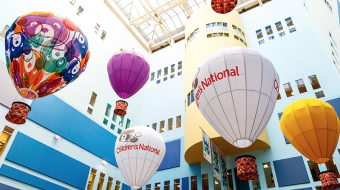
point(44, 53)
point(312, 127)
point(139, 151)
point(223, 6)
point(128, 72)
point(236, 90)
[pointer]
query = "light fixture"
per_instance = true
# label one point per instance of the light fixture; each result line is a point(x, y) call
point(265, 166)
point(57, 137)
point(104, 162)
point(216, 183)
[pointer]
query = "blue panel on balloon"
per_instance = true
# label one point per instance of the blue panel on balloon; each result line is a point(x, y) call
point(6, 187)
point(64, 120)
point(291, 171)
point(185, 183)
point(26, 178)
point(172, 155)
point(125, 187)
point(34, 155)
point(287, 142)
point(240, 184)
point(307, 188)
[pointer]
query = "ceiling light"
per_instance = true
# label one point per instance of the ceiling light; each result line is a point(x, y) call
point(57, 137)
point(104, 162)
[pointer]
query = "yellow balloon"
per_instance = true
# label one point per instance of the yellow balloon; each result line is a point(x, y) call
point(312, 127)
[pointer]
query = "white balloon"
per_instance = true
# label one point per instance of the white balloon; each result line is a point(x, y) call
point(236, 90)
point(139, 151)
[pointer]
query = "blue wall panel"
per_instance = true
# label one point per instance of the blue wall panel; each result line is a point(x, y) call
point(61, 118)
point(291, 171)
point(185, 183)
point(26, 178)
point(287, 142)
point(6, 187)
point(240, 184)
point(307, 188)
point(125, 187)
point(172, 155)
point(32, 154)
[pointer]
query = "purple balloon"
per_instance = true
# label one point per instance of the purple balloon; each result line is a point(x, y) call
point(128, 72)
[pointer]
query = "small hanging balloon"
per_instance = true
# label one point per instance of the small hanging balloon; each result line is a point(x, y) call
point(139, 151)
point(223, 6)
point(246, 167)
point(128, 72)
point(44, 53)
point(235, 90)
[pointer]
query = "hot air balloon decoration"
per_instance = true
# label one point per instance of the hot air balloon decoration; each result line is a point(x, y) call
point(139, 151)
point(44, 53)
point(312, 127)
point(223, 6)
point(128, 72)
point(246, 167)
point(236, 89)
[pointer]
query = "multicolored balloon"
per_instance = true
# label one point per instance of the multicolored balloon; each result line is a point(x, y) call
point(223, 6)
point(128, 72)
point(44, 53)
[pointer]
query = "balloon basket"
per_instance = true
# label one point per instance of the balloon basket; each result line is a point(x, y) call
point(18, 113)
point(121, 107)
point(328, 180)
point(223, 6)
point(246, 167)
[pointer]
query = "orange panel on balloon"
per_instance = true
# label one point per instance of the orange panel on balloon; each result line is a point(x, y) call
point(223, 6)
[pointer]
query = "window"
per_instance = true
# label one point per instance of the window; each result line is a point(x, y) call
point(314, 170)
point(109, 184)
point(117, 185)
point(89, 110)
point(91, 179)
point(239, 33)
point(225, 27)
point(161, 127)
point(172, 68)
point(101, 181)
point(192, 96)
point(288, 89)
point(291, 30)
point(152, 76)
point(205, 182)
point(96, 28)
point(159, 72)
point(178, 121)
point(180, 65)
point(3, 32)
point(80, 10)
point(114, 117)
point(179, 73)
point(157, 186)
point(73, 2)
point(165, 79)
point(268, 175)
point(127, 123)
point(113, 126)
point(230, 179)
point(301, 86)
point(154, 126)
point(177, 185)
point(189, 99)
point(261, 42)
point(105, 121)
point(319, 94)
point(214, 26)
point(197, 32)
point(256, 184)
point(93, 99)
point(209, 35)
point(172, 76)
point(158, 81)
point(103, 36)
point(328, 5)
point(236, 37)
point(193, 182)
point(214, 35)
point(234, 29)
point(332, 167)
point(108, 110)
point(226, 34)
point(281, 34)
point(4, 138)
point(148, 187)
point(119, 131)
point(217, 185)
point(269, 30)
point(314, 82)
point(259, 34)
point(209, 28)
point(289, 21)
point(166, 185)
point(169, 124)
point(278, 96)
point(166, 71)
point(219, 26)
point(121, 121)
point(271, 38)
point(279, 26)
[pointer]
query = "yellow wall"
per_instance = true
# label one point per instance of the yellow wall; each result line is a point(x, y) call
point(196, 51)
